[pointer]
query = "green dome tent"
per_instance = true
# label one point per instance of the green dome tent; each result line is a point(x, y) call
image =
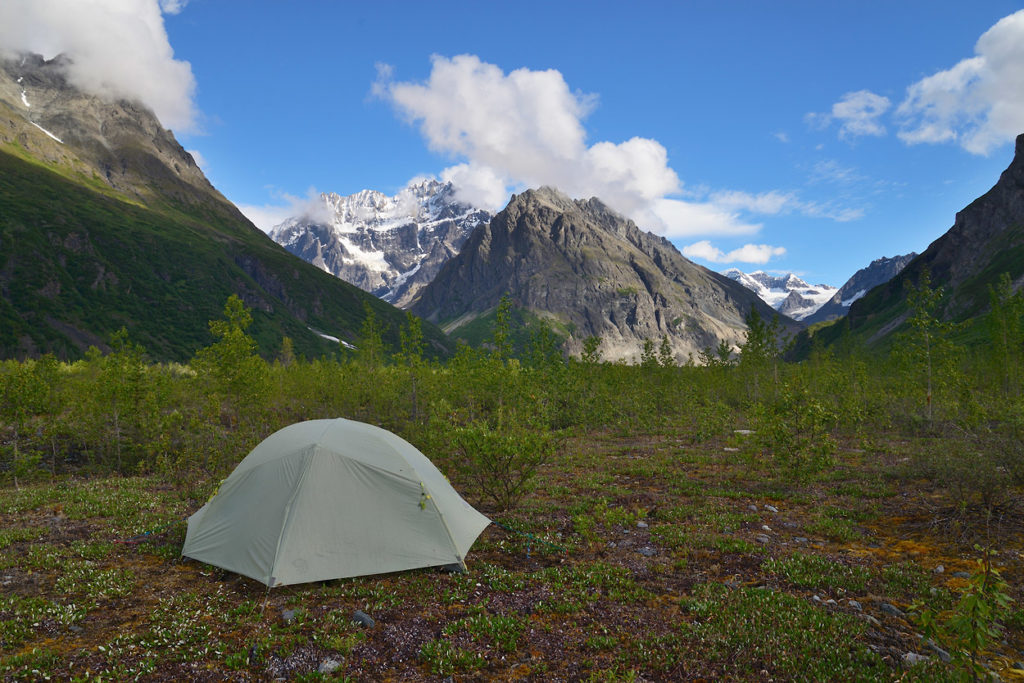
point(327, 499)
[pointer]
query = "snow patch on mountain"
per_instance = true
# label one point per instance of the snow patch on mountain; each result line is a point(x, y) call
point(47, 132)
point(787, 294)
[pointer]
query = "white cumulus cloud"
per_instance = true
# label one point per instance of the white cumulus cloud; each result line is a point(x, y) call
point(978, 102)
point(525, 128)
point(117, 48)
point(748, 253)
point(859, 113)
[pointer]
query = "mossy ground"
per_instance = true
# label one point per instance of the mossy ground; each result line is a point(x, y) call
point(651, 569)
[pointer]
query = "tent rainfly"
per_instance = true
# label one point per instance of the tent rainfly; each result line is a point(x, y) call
point(328, 499)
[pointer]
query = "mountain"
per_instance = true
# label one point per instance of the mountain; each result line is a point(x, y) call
point(106, 221)
point(388, 246)
point(584, 270)
point(986, 240)
point(787, 294)
point(864, 280)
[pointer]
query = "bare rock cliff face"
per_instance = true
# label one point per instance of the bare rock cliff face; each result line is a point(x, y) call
point(590, 272)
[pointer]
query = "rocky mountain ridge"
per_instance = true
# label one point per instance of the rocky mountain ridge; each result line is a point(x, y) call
point(588, 271)
point(388, 246)
point(878, 272)
point(116, 142)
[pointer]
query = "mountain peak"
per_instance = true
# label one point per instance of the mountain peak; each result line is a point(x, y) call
point(587, 271)
point(388, 246)
point(787, 293)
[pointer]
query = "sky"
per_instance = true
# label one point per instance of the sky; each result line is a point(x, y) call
point(787, 136)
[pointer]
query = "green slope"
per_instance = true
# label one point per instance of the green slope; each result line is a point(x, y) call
point(78, 262)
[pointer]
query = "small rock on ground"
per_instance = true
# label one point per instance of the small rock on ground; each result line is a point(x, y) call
point(288, 615)
point(641, 524)
point(328, 665)
point(800, 539)
point(942, 654)
point(363, 619)
point(961, 575)
point(855, 605)
point(912, 658)
point(891, 610)
point(771, 508)
point(939, 569)
point(761, 538)
point(647, 551)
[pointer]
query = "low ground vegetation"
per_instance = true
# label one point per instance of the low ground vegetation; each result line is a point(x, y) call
point(844, 518)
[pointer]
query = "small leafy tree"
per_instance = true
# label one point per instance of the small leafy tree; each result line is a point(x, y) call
point(648, 359)
point(591, 350)
point(501, 339)
point(370, 352)
point(122, 390)
point(972, 625)
point(1006, 332)
point(502, 460)
point(287, 355)
point(796, 430)
point(24, 393)
point(230, 365)
point(926, 348)
point(411, 336)
point(665, 356)
point(760, 352)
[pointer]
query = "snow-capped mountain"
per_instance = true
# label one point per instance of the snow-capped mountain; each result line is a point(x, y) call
point(388, 246)
point(787, 294)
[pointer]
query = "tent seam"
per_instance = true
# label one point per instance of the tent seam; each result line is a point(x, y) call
point(444, 523)
point(288, 513)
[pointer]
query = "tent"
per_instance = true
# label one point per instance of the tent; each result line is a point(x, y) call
point(327, 499)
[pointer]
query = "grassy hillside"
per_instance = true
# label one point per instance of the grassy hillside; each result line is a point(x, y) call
point(78, 262)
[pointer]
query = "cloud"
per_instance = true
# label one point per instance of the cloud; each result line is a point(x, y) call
point(766, 202)
point(268, 216)
point(117, 49)
point(978, 102)
point(776, 203)
point(173, 6)
point(748, 253)
point(477, 185)
point(525, 129)
point(859, 113)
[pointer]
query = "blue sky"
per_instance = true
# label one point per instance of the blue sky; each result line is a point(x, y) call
point(809, 137)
